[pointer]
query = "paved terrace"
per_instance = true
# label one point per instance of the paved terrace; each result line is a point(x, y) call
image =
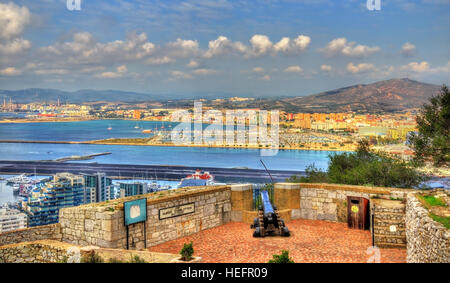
point(310, 241)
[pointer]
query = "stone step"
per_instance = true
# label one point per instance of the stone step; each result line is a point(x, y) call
point(389, 216)
point(390, 245)
point(388, 222)
point(390, 236)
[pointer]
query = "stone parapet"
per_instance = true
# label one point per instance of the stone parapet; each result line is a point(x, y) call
point(241, 200)
point(427, 240)
point(50, 232)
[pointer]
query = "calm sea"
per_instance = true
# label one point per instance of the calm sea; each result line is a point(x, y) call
point(93, 130)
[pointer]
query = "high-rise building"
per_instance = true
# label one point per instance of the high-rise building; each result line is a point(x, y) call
point(45, 201)
point(12, 219)
point(97, 188)
point(133, 189)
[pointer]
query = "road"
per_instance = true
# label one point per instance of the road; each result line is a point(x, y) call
point(164, 172)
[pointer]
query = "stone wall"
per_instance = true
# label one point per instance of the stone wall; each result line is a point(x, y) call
point(329, 202)
point(51, 232)
point(43, 251)
point(389, 223)
point(49, 251)
point(102, 224)
point(427, 240)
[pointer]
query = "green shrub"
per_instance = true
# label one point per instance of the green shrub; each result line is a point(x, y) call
point(91, 257)
point(282, 258)
point(114, 260)
point(441, 219)
point(187, 251)
point(137, 259)
point(364, 168)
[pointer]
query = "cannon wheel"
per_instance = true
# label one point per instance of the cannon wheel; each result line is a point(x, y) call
point(257, 232)
point(261, 223)
point(285, 232)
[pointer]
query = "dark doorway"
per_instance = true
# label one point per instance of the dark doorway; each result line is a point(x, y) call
point(358, 213)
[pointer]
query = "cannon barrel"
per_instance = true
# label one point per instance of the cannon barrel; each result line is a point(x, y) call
point(267, 205)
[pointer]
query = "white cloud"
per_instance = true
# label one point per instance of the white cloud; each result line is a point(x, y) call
point(293, 69)
point(325, 68)
point(266, 78)
point(222, 45)
point(360, 68)
point(10, 71)
point(85, 49)
point(120, 71)
point(193, 64)
point(204, 72)
point(160, 60)
point(13, 20)
point(51, 72)
point(183, 48)
point(258, 70)
point(340, 46)
point(286, 45)
point(408, 49)
point(417, 67)
point(180, 75)
point(14, 46)
point(261, 44)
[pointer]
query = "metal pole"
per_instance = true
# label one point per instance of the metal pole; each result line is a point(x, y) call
point(145, 235)
point(128, 247)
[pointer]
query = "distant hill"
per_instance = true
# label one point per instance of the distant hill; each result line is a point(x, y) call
point(387, 96)
point(47, 95)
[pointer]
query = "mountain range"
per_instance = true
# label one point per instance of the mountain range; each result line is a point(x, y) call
point(387, 96)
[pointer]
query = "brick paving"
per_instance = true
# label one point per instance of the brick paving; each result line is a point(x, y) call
point(310, 241)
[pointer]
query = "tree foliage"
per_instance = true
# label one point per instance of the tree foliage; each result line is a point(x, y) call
point(187, 252)
point(432, 142)
point(364, 167)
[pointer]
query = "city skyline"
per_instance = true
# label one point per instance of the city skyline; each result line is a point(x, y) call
point(265, 48)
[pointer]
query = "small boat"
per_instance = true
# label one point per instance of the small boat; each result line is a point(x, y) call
point(16, 189)
point(109, 128)
point(197, 179)
point(22, 179)
point(147, 131)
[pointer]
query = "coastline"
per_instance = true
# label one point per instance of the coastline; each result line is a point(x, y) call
point(106, 142)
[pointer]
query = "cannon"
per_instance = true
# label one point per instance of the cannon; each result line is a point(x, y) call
point(268, 221)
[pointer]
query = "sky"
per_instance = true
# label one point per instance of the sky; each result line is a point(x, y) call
point(244, 48)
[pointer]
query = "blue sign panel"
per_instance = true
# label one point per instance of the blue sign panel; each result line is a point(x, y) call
point(135, 211)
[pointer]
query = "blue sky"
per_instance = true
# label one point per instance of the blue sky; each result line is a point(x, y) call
point(250, 47)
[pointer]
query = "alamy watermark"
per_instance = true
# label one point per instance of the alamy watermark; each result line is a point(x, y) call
point(374, 254)
point(243, 128)
point(73, 5)
point(373, 5)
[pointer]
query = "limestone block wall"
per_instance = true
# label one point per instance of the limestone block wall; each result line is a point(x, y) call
point(103, 224)
point(241, 202)
point(43, 251)
point(427, 240)
point(51, 232)
point(327, 202)
point(50, 251)
point(287, 196)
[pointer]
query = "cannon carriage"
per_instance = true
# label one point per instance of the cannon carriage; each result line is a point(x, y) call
point(268, 221)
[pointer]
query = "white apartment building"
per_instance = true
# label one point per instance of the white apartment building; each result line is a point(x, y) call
point(12, 219)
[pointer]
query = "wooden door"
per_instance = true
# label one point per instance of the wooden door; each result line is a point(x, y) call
point(358, 213)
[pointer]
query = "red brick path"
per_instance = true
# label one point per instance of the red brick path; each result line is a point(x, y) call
point(310, 241)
